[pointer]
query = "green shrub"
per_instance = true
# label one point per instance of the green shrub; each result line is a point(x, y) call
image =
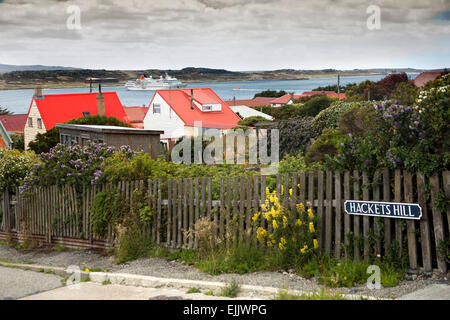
point(357, 119)
point(252, 121)
point(329, 143)
point(14, 166)
point(108, 208)
point(231, 290)
point(328, 118)
point(313, 106)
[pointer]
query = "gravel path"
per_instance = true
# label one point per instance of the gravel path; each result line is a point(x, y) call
point(17, 283)
point(171, 269)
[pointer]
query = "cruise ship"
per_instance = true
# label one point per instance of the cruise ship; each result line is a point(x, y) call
point(148, 83)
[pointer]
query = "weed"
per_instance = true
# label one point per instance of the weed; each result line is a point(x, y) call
point(87, 279)
point(231, 290)
point(59, 248)
point(322, 295)
point(40, 270)
point(209, 293)
point(106, 282)
point(193, 290)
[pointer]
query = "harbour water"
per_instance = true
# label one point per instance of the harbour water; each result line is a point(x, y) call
point(18, 101)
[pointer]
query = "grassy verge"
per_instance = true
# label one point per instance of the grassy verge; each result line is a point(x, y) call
point(322, 295)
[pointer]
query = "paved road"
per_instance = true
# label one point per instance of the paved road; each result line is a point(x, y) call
point(17, 283)
point(97, 291)
point(433, 292)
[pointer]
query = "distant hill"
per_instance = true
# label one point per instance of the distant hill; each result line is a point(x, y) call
point(27, 77)
point(9, 68)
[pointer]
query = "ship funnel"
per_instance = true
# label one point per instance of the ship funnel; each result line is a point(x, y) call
point(192, 99)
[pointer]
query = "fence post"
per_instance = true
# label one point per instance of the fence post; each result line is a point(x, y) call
point(438, 223)
point(6, 217)
point(410, 224)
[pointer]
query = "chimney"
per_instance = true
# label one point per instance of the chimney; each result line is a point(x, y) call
point(101, 104)
point(192, 99)
point(292, 96)
point(234, 100)
point(38, 92)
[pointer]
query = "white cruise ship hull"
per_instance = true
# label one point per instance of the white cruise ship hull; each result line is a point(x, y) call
point(153, 88)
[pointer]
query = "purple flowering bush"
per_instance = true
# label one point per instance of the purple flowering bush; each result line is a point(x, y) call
point(74, 165)
point(399, 137)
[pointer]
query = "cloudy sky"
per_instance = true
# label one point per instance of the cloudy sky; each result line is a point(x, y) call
point(230, 34)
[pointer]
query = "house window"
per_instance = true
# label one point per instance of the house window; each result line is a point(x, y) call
point(207, 108)
point(30, 122)
point(156, 108)
point(39, 123)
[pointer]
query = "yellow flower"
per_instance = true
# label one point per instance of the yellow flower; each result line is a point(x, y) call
point(269, 243)
point(263, 206)
point(275, 224)
point(281, 246)
point(303, 250)
point(311, 227)
point(285, 221)
point(298, 185)
point(290, 192)
point(310, 214)
point(256, 216)
point(316, 243)
point(300, 207)
point(271, 199)
point(83, 263)
point(282, 189)
point(267, 191)
point(298, 223)
point(86, 270)
point(283, 240)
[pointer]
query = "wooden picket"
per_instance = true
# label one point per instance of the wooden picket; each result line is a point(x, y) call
point(61, 214)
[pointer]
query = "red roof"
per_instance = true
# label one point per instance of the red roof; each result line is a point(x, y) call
point(60, 108)
point(330, 94)
point(180, 102)
point(425, 77)
point(136, 114)
point(287, 97)
point(14, 122)
point(255, 102)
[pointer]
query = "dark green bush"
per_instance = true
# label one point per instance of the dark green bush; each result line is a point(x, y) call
point(314, 105)
point(251, 121)
point(329, 143)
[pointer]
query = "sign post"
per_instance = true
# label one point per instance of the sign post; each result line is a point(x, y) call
point(384, 209)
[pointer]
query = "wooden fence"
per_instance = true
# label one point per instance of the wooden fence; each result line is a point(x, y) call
point(60, 215)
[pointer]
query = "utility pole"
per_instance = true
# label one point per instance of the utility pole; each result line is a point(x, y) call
point(338, 85)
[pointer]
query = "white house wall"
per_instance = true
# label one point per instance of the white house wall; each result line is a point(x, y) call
point(167, 121)
point(29, 133)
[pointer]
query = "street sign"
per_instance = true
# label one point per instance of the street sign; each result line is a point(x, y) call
point(383, 209)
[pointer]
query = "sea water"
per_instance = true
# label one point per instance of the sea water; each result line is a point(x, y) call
point(18, 101)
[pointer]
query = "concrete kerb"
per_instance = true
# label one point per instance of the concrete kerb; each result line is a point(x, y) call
point(156, 282)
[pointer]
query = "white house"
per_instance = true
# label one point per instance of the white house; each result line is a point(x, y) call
point(246, 112)
point(178, 111)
